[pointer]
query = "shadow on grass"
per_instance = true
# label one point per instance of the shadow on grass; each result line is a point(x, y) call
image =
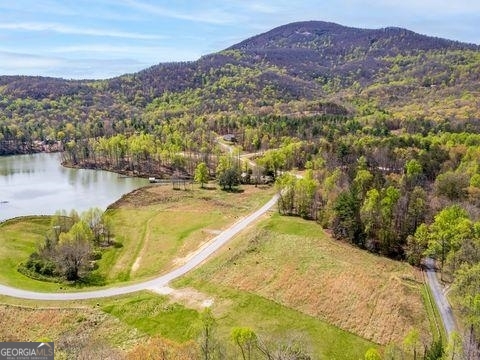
point(234, 190)
point(91, 279)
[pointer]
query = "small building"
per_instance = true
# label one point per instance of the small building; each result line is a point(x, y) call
point(230, 138)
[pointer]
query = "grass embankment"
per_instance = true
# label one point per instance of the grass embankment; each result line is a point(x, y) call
point(436, 324)
point(293, 263)
point(19, 238)
point(157, 227)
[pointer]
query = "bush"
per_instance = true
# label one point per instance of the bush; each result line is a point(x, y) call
point(96, 255)
point(40, 266)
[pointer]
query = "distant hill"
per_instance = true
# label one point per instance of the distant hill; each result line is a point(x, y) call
point(316, 49)
point(325, 67)
point(307, 51)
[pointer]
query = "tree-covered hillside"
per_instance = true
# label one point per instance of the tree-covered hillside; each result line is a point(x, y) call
point(287, 71)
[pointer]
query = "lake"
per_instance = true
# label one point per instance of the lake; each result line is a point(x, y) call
point(39, 185)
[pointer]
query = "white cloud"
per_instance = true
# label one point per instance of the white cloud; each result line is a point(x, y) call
point(10, 62)
point(35, 7)
point(214, 15)
point(427, 7)
point(259, 7)
point(100, 9)
point(72, 30)
point(151, 53)
point(95, 65)
point(28, 64)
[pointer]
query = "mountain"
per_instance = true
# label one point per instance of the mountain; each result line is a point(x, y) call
point(289, 55)
point(315, 66)
point(316, 49)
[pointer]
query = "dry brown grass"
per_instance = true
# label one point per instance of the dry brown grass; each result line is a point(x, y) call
point(293, 262)
point(76, 331)
point(81, 330)
point(158, 348)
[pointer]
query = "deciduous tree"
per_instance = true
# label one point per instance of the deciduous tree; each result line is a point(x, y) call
point(201, 174)
point(246, 339)
point(73, 255)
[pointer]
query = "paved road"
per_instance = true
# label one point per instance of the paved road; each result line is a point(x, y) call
point(160, 281)
point(440, 299)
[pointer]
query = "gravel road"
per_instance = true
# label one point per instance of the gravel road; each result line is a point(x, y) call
point(439, 297)
point(161, 281)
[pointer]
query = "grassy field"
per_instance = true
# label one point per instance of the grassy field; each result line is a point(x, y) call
point(159, 227)
point(18, 239)
point(120, 324)
point(156, 226)
point(77, 330)
point(155, 315)
point(295, 264)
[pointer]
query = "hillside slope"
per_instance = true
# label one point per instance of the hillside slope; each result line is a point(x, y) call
point(316, 49)
point(287, 260)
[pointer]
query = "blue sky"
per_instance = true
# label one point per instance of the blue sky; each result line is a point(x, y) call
point(105, 38)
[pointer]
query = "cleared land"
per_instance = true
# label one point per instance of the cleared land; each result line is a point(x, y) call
point(157, 227)
point(294, 263)
point(284, 277)
point(121, 325)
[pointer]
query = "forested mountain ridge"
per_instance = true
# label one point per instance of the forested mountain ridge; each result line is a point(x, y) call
point(320, 50)
point(296, 62)
point(390, 75)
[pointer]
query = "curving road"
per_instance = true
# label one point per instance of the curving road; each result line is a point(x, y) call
point(443, 305)
point(216, 243)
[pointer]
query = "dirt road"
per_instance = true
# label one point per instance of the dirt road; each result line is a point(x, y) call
point(440, 299)
point(161, 281)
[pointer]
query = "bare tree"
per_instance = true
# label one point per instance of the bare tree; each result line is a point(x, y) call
point(73, 256)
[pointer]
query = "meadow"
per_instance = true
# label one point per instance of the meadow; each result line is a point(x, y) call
point(294, 263)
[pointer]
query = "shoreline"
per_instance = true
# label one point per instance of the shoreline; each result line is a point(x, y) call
point(161, 172)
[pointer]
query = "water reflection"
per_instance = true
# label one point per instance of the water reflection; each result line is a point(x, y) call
point(37, 184)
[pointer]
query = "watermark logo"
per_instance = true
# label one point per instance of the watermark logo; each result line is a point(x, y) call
point(27, 351)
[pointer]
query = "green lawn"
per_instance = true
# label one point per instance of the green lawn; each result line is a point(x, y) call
point(18, 239)
point(154, 315)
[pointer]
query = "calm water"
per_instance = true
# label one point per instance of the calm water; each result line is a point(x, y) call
point(38, 185)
